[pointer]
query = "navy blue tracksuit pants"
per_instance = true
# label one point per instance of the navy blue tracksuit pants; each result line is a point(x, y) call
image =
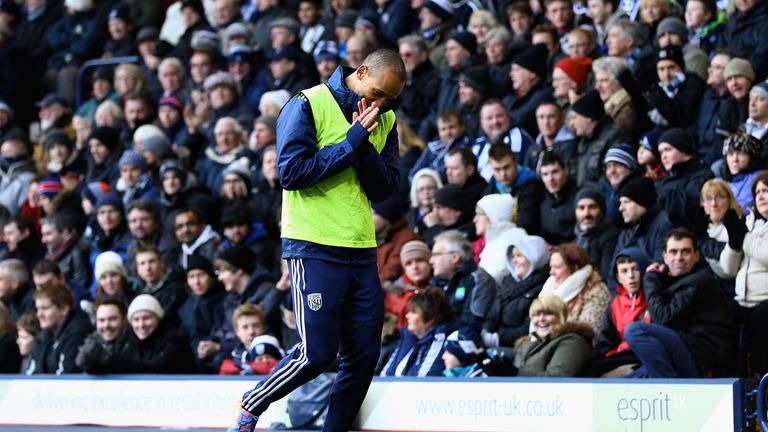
point(339, 309)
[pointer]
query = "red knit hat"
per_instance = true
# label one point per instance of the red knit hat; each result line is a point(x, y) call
point(576, 68)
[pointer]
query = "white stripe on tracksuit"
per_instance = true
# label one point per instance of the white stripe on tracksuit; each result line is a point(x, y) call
point(293, 367)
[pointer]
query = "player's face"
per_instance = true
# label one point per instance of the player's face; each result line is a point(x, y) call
point(379, 87)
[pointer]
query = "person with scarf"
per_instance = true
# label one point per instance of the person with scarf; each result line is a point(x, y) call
point(63, 246)
point(195, 236)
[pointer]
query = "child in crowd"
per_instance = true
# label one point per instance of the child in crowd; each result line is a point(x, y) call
point(463, 356)
point(256, 353)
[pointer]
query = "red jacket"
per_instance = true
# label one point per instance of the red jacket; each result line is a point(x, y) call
point(626, 309)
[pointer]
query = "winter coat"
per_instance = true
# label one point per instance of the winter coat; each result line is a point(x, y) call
point(745, 33)
point(741, 186)
point(21, 301)
point(419, 94)
point(679, 192)
point(72, 39)
point(97, 356)
point(523, 109)
point(165, 351)
point(619, 108)
point(509, 313)
point(711, 246)
point(612, 197)
point(557, 214)
point(625, 309)
point(14, 183)
point(164, 242)
point(75, 265)
point(706, 121)
point(388, 253)
point(198, 316)
point(564, 353)
point(10, 360)
point(749, 265)
point(694, 306)
point(56, 353)
point(470, 292)
point(599, 242)
point(420, 357)
point(591, 151)
point(169, 291)
point(648, 234)
point(528, 192)
point(682, 109)
point(434, 155)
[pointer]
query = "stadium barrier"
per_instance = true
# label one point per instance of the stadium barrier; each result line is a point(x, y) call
point(394, 404)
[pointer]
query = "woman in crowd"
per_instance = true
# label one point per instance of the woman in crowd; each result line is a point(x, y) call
point(716, 199)
point(558, 346)
point(27, 328)
point(430, 321)
point(746, 257)
point(112, 278)
point(742, 165)
point(574, 280)
point(426, 182)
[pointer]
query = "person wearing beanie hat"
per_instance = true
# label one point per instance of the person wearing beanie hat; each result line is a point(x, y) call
point(529, 84)
point(466, 40)
point(477, 79)
point(570, 74)
point(675, 99)
point(463, 349)
point(450, 213)
point(739, 67)
point(672, 30)
point(145, 303)
point(595, 232)
point(416, 276)
point(174, 167)
point(498, 208)
point(533, 60)
point(743, 164)
point(620, 167)
point(237, 181)
point(234, 267)
point(134, 159)
point(135, 181)
point(50, 186)
point(155, 149)
point(92, 192)
point(442, 10)
point(647, 224)
point(198, 262)
point(327, 58)
point(622, 154)
point(597, 133)
point(109, 199)
point(60, 148)
point(648, 156)
point(109, 262)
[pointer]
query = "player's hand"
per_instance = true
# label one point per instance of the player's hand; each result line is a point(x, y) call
point(366, 115)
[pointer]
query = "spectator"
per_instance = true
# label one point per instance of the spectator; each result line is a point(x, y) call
point(104, 155)
point(557, 347)
point(497, 128)
point(194, 236)
point(112, 279)
point(614, 357)
point(739, 78)
point(121, 32)
point(256, 352)
point(327, 59)
point(243, 63)
point(473, 89)
point(229, 148)
point(743, 258)
point(705, 23)
point(603, 13)
point(461, 170)
point(16, 171)
point(757, 122)
point(200, 313)
point(416, 276)
point(61, 152)
point(569, 79)
point(101, 90)
point(646, 223)
point(554, 136)
point(594, 232)
point(146, 230)
point(626, 39)
point(671, 31)
point(507, 320)
point(64, 247)
point(436, 25)
point(452, 134)
point(314, 28)
point(743, 163)
point(520, 18)
point(238, 228)
point(22, 241)
point(557, 207)
point(528, 75)
point(744, 31)
point(63, 330)
point(461, 355)
point(493, 226)
point(579, 284)
point(27, 328)
point(596, 133)
point(430, 321)
point(110, 232)
point(679, 191)
point(714, 97)
point(10, 363)
point(451, 212)
point(424, 186)
point(101, 350)
point(285, 72)
point(620, 167)
point(581, 43)
point(690, 332)
point(155, 346)
point(392, 233)
point(711, 234)
point(179, 188)
point(470, 290)
point(511, 177)
point(674, 101)
point(648, 156)
point(193, 20)
point(422, 84)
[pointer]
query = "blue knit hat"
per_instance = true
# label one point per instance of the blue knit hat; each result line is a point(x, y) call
point(132, 157)
point(110, 198)
point(622, 154)
point(650, 141)
point(94, 191)
point(463, 344)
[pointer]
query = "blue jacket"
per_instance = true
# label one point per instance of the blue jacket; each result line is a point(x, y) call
point(434, 156)
point(420, 356)
point(72, 39)
point(301, 164)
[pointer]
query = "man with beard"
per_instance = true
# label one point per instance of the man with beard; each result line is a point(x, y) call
point(593, 232)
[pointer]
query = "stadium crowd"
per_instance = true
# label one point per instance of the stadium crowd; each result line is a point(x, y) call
point(584, 188)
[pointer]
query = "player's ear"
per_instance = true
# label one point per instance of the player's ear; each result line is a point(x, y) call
point(361, 71)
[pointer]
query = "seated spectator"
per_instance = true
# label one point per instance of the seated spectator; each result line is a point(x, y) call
point(705, 24)
point(679, 191)
point(170, 118)
point(569, 79)
point(430, 321)
point(452, 134)
point(757, 122)
point(496, 124)
point(648, 156)
point(734, 111)
point(155, 148)
point(554, 136)
point(112, 279)
point(155, 347)
point(529, 86)
point(473, 90)
point(620, 167)
point(63, 330)
point(422, 85)
point(743, 163)
point(326, 55)
point(161, 282)
point(645, 222)
point(22, 240)
point(507, 321)
point(268, 193)
point(27, 328)
point(690, 333)
point(10, 361)
point(512, 177)
point(579, 284)
point(285, 72)
point(102, 165)
point(461, 356)
point(243, 63)
point(392, 233)
point(102, 350)
point(61, 152)
point(714, 98)
point(424, 186)
point(461, 170)
point(178, 189)
point(671, 31)
point(416, 276)
point(16, 291)
point(256, 352)
point(743, 257)
point(470, 290)
point(557, 207)
point(64, 247)
point(101, 90)
point(674, 101)
point(613, 356)
point(200, 313)
point(238, 229)
point(110, 232)
point(493, 226)
point(558, 346)
point(742, 34)
point(594, 232)
point(711, 234)
point(450, 213)
point(15, 174)
point(135, 181)
point(229, 148)
point(146, 228)
point(195, 236)
point(596, 132)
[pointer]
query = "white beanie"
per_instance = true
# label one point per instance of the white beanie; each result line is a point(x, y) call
point(109, 262)
point(79, 5)
point(276, 97)
point(145, 302)
point(498, 207)
point(534, 248)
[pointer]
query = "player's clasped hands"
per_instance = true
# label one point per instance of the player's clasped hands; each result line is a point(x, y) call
point(366, 115)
